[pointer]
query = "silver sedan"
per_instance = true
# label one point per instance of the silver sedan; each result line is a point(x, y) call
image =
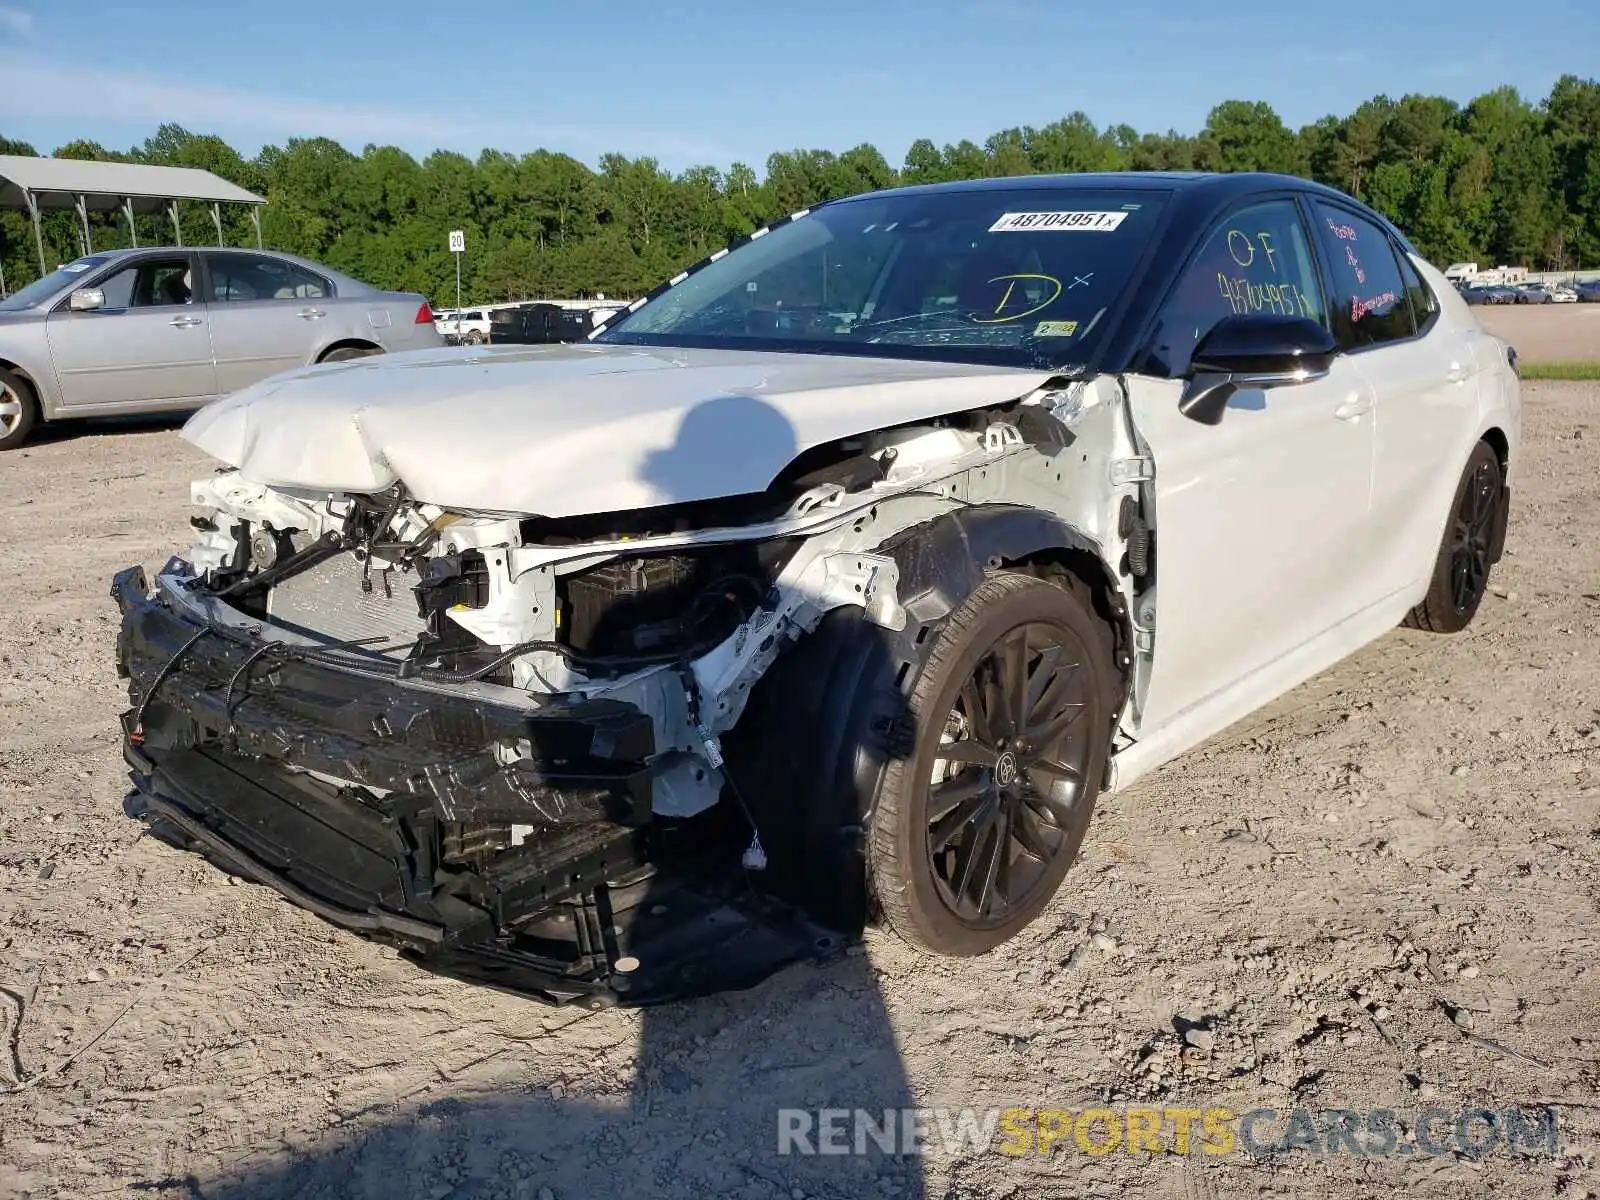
point(132, 331)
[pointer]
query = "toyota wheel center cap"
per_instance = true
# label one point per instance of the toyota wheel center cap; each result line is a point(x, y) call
point(1005, 769)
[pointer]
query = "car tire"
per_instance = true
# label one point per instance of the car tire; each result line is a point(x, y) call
point(346, 353)
point(1461, 570)
point(474, 338)
point(964, 852)
point(19, 410)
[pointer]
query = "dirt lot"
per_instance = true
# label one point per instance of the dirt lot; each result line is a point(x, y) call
point(1546, 332)
point(1380, 892)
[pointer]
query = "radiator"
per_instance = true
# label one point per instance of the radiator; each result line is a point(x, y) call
point(328, 600)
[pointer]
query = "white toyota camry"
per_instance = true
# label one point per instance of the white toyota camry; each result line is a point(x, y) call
point(833, 581)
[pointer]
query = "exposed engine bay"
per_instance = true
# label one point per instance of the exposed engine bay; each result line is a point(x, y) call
point(522, 719)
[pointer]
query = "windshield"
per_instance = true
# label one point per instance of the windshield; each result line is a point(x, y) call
point(40, 290)
point(1013, 277)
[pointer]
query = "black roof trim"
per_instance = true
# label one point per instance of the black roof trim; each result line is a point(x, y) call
point(1221, 184)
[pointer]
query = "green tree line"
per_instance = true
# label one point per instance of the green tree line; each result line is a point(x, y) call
point(1500, 179)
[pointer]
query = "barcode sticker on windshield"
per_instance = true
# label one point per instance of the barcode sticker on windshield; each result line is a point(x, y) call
point(1058, 222)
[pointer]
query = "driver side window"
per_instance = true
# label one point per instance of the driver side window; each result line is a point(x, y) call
point(154, 283)
point(1256, 260)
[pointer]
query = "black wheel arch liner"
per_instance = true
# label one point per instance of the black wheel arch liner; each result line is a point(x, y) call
point(943, 561)
point(1502, 521)
point(809, 753)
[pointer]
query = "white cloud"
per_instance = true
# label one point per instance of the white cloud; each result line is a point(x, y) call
point(46, 91)
point(15, 22)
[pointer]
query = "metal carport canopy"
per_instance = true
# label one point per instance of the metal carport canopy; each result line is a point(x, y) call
point(33, 184)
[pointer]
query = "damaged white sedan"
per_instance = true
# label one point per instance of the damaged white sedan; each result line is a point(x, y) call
point(833, 581)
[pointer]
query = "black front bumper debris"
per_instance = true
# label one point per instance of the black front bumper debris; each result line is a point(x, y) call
point(218, 686)
point(391, 810)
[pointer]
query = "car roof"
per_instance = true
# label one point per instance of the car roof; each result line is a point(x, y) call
point(1206, 185)
point(347, 285)
point(1198, 193)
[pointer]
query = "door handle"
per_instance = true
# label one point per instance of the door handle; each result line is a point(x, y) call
point(1456, 373)
point(310, 314)
point(1354, 408)
point(185, 322)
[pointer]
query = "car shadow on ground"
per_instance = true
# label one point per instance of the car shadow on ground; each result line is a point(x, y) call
point(700, 1110)
point(699, 1117)
point(92, 427)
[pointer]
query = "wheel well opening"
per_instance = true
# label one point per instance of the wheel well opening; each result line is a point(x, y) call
point(348, 344)
point(33, 384)
point(1083, 572)
point(21, 373)
point(1500, 445)
point(1496, 440)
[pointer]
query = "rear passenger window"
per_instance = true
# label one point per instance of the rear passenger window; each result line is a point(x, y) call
point(246, 277)
point(1369, 300)
point(1424, 304)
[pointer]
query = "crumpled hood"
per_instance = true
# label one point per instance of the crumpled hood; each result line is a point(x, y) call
point(565, 430)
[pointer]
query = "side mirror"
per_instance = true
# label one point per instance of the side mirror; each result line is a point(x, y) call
point(87, 300)
point(1253, 351)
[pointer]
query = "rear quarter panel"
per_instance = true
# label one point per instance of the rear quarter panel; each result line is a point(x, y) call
point(1499, 389)
point(1497, 407)
point(387, 320)
point(402, 331)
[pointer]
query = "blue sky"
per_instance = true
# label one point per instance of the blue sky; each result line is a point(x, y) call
point(719, 81)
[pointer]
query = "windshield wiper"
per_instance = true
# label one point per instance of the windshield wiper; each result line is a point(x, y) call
point(921, 316)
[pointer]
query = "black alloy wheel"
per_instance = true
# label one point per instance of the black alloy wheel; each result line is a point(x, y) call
point(1461, 569)
point(1471, 532)
point(974, 829)
point(1011, 767)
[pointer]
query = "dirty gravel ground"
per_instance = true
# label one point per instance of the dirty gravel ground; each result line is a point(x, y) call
point(1546, 332)
point(1420, 822)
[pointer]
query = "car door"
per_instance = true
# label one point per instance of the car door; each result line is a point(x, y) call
point(1260, 519)
point(147, 345)
point(268, 315)
point(1423, 369)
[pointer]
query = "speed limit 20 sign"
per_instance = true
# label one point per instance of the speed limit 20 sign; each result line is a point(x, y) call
point(458, 241)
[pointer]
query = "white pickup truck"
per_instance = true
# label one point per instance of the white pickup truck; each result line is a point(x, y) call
point(470, 326)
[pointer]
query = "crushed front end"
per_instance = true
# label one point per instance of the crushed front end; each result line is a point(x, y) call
point(312, 710)
point(497, 740)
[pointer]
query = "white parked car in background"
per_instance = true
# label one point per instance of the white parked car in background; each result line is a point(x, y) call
point(836, 580)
